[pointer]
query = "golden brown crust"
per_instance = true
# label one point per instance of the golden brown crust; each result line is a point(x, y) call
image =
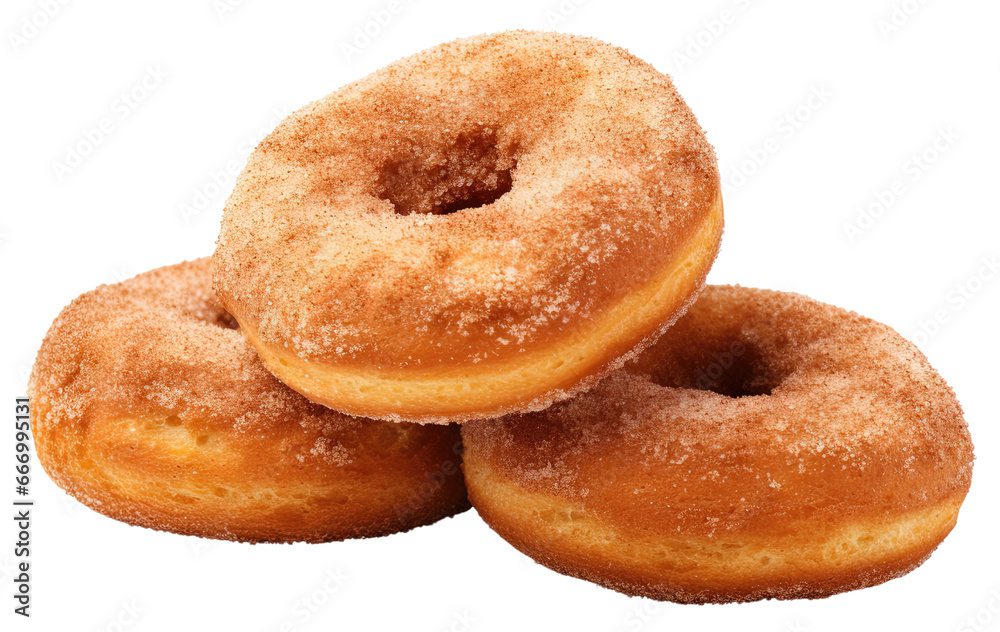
point(810, 560)
point(828, 455)
point(338, 248)
point(150, 407)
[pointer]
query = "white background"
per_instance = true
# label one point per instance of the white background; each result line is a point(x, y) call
point(888, 91)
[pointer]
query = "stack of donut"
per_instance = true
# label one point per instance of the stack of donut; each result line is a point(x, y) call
point(507, 232)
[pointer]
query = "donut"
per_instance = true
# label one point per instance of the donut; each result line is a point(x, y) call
point(148, 406)
point(767, 446)
point(486, 227)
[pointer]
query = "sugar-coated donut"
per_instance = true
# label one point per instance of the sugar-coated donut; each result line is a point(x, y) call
point(485, 227)
point(148, 406)
point(768, 446)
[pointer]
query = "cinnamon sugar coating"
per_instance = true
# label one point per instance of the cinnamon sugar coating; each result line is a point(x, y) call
point(465, 206)
point(149, 406)
point(772, 445)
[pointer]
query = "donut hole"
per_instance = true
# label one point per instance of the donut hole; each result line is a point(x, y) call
point(471, 172)
point(214, 315)
point(226, 321)
point(734, 369)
